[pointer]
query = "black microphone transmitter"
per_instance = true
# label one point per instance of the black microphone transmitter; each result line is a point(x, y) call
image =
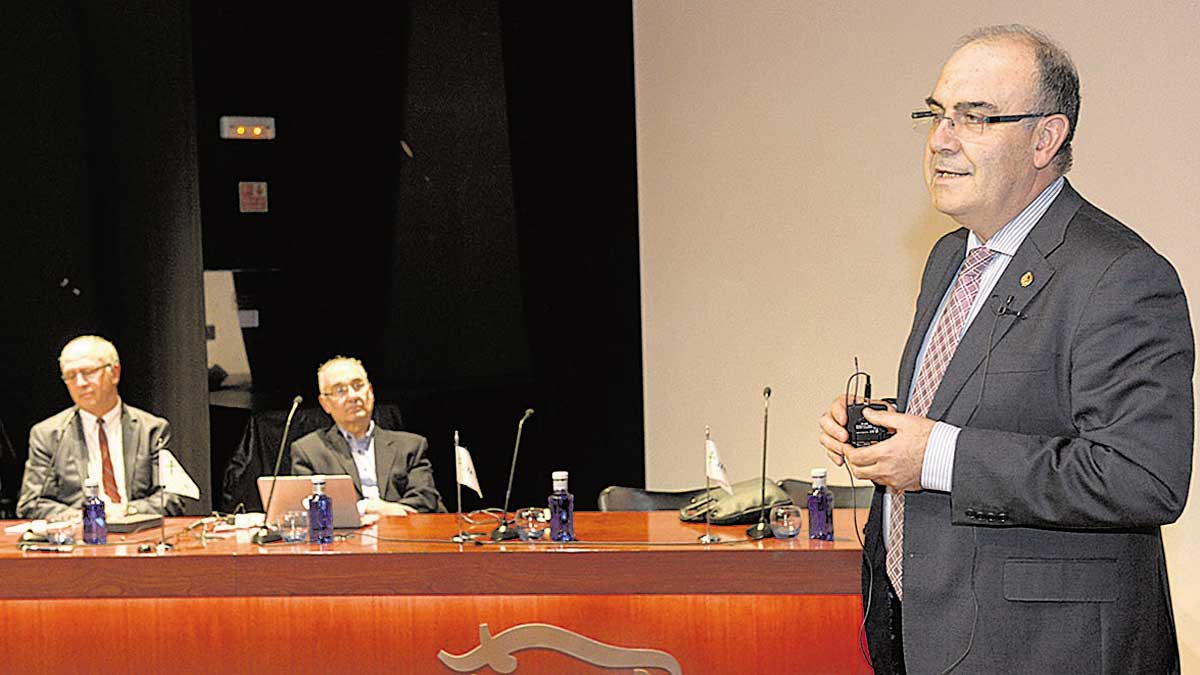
point(862, 432)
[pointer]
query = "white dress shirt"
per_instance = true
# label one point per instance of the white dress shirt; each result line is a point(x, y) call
point(363, 452)
point(116, 451)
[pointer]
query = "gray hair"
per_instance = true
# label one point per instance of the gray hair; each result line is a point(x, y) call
point(1058, 81)
point(96, 345)
point(339, 360)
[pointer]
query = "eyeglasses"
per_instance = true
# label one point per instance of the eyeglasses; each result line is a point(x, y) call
point(89, 374)
point(342, 390)
point(970, 124)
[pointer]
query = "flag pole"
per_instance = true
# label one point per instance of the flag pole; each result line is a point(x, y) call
point(709, 537)
point(461, 537)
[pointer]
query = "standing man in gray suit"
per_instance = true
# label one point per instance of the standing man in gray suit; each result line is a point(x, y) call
point(100, 436)
point(390, 470)
point(1044, 425)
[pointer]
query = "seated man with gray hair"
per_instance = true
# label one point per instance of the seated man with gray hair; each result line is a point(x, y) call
point(99, 437)
point(390, 470)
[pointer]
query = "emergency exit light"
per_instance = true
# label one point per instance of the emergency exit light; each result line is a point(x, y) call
point(248, 128)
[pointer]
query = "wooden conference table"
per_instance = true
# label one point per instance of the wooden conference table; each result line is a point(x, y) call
point(636, 594)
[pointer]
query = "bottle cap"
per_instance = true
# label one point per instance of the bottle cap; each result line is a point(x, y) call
point(559, 479)
point(91, 483)
point(318, 479)
point(559, 475)
point(819, 473)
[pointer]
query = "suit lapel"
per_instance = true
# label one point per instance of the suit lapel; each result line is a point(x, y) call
point(341, 450)
point(386, 455)
point(76, 444)
point(945, 265)
point(1031, 258)
point(129, 442)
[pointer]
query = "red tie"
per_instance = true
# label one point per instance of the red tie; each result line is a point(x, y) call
point(110, 480)
point(937, 357)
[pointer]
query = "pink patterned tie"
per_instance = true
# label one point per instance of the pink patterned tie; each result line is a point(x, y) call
point(937, 357)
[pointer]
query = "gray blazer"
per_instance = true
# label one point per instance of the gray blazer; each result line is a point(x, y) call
point(1071, 456)
point(58, 463)
point(402, 471)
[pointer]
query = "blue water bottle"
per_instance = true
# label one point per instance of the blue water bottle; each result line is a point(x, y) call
point(320, 513)
point(562, 509)
point(820, 508)
point(95, 525)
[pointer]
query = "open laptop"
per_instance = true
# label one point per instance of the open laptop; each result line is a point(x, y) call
point(290, 492)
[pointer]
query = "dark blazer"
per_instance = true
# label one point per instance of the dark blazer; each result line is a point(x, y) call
point(1070, 457)
point(58, 462)
point(402, 470)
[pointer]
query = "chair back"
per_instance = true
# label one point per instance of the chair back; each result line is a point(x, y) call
point(844, 496)
point(619, 498)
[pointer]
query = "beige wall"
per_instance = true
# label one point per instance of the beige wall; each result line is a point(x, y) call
point(784, 223)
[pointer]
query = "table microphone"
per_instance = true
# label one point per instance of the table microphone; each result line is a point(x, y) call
point(761, 530)
point(503, 531)
point(264, 534)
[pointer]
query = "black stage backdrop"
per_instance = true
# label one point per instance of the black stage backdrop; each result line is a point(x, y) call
point(452, 199)
point(99, 212)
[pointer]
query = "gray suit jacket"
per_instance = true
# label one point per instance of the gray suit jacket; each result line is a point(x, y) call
point(1073, 452)
point(58, 463)
point(402, 471)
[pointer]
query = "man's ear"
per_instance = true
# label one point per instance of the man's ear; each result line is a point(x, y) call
point(1049, 137)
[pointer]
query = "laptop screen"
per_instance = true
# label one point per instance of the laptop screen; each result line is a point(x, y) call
point(291, 491)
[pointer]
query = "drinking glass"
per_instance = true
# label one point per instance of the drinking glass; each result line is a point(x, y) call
point(786, 521)
point(532, 523)
point(60, 527)
point(293, 526)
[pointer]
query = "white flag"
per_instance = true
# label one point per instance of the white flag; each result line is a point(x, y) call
point(714, 468)
point(465, 470)
point(173, 477)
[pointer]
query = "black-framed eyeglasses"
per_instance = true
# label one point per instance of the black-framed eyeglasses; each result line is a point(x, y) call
point(925, 121)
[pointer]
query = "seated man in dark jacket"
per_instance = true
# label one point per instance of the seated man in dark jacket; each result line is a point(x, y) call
point(389, 468)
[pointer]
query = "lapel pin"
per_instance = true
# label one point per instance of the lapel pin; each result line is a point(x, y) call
point(1026, 279)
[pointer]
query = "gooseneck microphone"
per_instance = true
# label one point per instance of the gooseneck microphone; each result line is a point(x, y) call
point(264, 534)
point(761, 530)
point(503, 531)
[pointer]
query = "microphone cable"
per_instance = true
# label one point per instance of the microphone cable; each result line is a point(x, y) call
point(862, 627)
point(1001, 310)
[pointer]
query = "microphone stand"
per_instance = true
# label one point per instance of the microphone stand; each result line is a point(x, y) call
point(264, 534)
point(708, 537)
point(503, 532)
point(761, 530)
